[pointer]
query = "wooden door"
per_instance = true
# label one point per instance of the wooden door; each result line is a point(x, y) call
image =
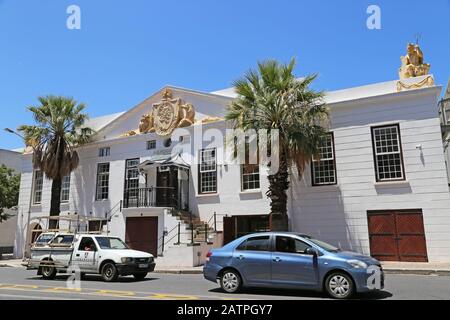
point(142, 234)
point(397, 235)
point(229, 229)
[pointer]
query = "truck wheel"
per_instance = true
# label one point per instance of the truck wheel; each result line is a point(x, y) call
point(48, 272)
point(109, 272)
point(140, 276)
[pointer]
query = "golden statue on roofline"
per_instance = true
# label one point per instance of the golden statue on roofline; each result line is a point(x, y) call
point(413, 63)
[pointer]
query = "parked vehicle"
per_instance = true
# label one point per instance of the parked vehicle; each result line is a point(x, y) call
point(90, 254)
point(291, 260)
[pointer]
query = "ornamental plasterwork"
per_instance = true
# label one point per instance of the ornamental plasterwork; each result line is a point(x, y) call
point(167, 115)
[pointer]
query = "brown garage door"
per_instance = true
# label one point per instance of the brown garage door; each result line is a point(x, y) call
point(142, 234)
point(397, 235)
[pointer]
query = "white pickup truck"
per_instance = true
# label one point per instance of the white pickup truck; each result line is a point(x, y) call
point(108, 256)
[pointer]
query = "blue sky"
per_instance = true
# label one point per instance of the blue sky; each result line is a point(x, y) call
point(126, 50)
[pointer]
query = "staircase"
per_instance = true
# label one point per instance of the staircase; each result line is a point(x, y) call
point(202, 231)
point(186, 246)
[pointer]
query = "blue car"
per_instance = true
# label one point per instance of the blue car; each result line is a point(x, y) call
point(292, 260)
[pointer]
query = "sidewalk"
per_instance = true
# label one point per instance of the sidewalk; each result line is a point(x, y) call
point(418, 268)
point(413, 268)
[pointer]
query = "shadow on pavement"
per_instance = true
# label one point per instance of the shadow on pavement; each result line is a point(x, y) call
point(94, 278)
point(377, 295)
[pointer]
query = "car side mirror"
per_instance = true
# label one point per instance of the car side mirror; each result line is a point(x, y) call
point(312, 251)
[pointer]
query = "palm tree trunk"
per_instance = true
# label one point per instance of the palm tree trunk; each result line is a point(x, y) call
point(278, 186)
point(55, 203)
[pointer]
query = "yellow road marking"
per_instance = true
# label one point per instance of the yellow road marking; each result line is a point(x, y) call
point(68, 290)
point(17, 286)
point(111, 293)
point(114, 293)
point(163, 296)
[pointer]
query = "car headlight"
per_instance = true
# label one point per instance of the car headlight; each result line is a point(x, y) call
point(357, 264)
point(126, 260)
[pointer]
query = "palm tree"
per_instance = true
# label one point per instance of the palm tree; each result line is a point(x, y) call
point(272, 98)
point(58, 131)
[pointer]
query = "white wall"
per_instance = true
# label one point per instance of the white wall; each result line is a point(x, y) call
point(11, 159)
point(338, 214)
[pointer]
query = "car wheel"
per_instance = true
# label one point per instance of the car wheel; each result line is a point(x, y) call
point(48, 272)
point(140, 276)
point(109, 272)
point(230, 281)
point(339, 285)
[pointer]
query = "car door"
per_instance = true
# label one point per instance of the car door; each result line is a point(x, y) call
point(86, 254)
point(291, 266)
point(252, 258)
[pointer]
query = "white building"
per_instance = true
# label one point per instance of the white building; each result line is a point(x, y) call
point(381, 187)
point(12, 160)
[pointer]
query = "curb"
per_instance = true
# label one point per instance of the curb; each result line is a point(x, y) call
point(178, 271)
point(442, 273)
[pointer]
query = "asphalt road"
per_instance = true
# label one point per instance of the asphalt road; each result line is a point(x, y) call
point(19, 284)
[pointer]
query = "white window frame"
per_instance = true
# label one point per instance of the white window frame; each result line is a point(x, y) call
point(151, 145)
point(249, 175)
point(35, 187)
point(318, 161)
point(377, 154)
point(65, 189)
point(104, 152)
point(256, 174)
point(205, 168)
point(99, 193)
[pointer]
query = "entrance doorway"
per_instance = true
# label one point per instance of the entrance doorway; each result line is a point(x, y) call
point(166, 186)
point(397, 235)
point(239, 226)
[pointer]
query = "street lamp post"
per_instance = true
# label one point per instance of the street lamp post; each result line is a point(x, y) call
point(29, 203)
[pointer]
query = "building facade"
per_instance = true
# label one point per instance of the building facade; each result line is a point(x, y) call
point(12, 160)
point(158, 176)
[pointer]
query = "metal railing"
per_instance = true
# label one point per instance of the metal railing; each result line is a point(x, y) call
point(158, 197)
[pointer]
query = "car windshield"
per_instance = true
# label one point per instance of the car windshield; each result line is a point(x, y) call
point(325, 246)
point(111, 243)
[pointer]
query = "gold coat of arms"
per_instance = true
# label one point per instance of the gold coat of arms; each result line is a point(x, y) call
point(167, 115)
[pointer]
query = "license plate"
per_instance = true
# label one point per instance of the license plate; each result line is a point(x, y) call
point(143, 265)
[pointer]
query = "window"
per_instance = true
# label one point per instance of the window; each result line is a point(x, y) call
point(44, 238)
point(167, 143)
point(290, 245)
point(151, 145)
point(208, 171)
point(185, 139)
point(111, 243)
point(249, 172)
point(132, 178)
point(388, 154)
point(324, 166)
point(104, 152)
point(250, 177)
point(102, 181)
point(255, 244)
point(87, 244)
point(38, 184)
point(65, 189)
point(63, 239)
